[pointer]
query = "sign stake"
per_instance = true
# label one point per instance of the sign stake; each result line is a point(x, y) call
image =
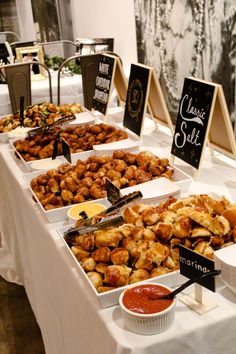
point(193, 264)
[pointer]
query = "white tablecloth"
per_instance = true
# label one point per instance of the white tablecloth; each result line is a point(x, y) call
point(71, 91)
point(71, 319)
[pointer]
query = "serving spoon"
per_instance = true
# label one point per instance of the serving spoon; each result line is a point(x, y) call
point(172, 294)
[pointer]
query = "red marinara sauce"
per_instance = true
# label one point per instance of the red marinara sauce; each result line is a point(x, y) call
point(143, 299)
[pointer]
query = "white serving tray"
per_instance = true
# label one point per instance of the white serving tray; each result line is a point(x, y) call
point(27, 166)
point(85, 117)
point(6, 137)
point(153, 191)
point(225, 260)
point(156, 190)
point(132, 144)
point(111, 297)
point(182, 179)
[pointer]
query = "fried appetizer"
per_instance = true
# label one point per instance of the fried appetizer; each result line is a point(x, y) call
point(130, 253)
point(86, 180)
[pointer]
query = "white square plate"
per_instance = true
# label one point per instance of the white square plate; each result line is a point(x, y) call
point(111, 297)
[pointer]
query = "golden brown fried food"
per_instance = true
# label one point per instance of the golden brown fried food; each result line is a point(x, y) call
point(88, 264)
point(67, 196)
point(144, 251)
point(86, 241)
point(95, 279)
point(138, 275)
point(102, 254)
point(108, 237)
point(96, 191)
point(87, 179)
point(79, 252)
point(53, 185)
point(101, 267)
point(117, 275)
point(119, 256)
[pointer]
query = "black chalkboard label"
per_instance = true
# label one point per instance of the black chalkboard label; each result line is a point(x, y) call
point(113, 192)
point(193, 264)
point(192, 121)
point(66, 150)
point(55, 146)
point(103, 83)
point(136, 101)
point(22, 101)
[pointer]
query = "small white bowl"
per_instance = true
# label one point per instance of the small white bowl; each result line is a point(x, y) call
point(225, 260)
point(90, 208)
point(147, 324)
point(45, 164)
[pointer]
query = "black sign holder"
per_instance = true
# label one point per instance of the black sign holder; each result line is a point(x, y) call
point(110, 74)
point(193, 264)
point(203, 118)
point(144, 92)
point(113, 192)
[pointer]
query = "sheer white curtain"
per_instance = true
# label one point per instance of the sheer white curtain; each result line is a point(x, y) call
point(26, 21)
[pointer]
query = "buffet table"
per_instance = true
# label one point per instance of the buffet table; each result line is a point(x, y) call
point(71, 319)
point(71, 91)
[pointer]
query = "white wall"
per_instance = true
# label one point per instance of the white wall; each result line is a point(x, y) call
point(107, 18)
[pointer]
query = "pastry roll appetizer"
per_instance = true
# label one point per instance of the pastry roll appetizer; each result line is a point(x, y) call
point(146, 245)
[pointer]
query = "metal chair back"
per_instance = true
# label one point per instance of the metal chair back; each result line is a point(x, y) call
point(18, 78)
point(89, 68)
point(63, 48)
point(9, 36)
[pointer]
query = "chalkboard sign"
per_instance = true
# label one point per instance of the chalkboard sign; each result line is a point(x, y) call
point(103, 83)
point(137, 96)
point(113, 192)
point(64, 146)
point(194, 116)
point(193, 264)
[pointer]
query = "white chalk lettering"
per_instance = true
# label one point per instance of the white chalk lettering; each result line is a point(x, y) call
point(198, 114)
point(102, 83)
point(180, 139)
point(193, 264)
point(103, 68)
point(101, 96)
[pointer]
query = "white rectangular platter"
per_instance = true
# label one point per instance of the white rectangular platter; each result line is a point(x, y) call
point(132, 143)
point(85, 117)
point(153, 191)
point(111, 297)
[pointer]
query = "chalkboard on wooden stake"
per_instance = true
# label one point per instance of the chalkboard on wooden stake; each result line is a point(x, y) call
point(113, 192)
point(110, 73)
point(137, 98)
point(144, 91)
point(193, 264)
point(202, 118)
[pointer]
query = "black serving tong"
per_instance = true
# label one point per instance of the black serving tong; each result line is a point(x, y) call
point(123, 201)
point(189, 282)
point(110, 222)
point(22, 101)
point(112, 210)
point(47, 128)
